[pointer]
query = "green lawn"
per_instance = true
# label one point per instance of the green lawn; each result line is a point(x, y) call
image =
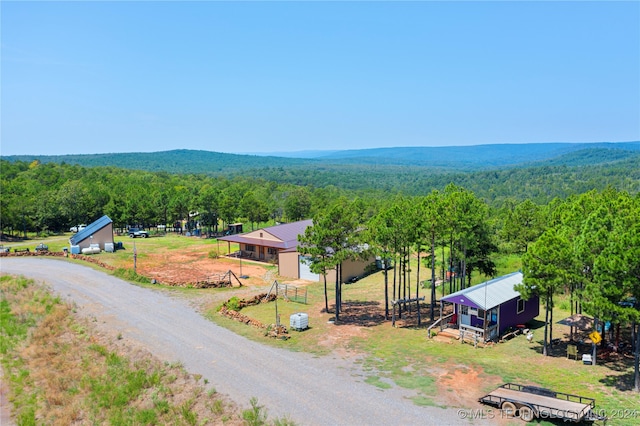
point(404, 355)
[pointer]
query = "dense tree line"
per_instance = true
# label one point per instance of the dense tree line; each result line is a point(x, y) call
point(590, 249)
point(540, 184)
point(407, 231)
point(495, 173)
point(585, 245)
point(52, 197)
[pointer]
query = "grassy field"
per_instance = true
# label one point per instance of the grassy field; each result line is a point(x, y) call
point(60, 371)
point(437, 370)
point(443, 373)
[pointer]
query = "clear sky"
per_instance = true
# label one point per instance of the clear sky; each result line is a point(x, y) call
point(97, 77)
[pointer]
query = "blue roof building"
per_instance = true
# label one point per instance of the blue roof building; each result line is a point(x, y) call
point(98, 232)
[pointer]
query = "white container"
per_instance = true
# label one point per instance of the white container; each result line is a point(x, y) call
point(91, 250)
point(109, 247)
point(299, 321)
point(75, 249)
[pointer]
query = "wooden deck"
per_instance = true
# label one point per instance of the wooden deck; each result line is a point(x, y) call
point(547, 407)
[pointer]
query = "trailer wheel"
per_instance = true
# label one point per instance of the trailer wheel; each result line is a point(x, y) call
point(526, 413)
point(509, 408)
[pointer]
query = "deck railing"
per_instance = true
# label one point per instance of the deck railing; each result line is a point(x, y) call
point(437, 322)
point(471, 334)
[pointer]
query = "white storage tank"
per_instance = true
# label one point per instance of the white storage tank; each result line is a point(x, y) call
point(299, 321)
point(109, 247)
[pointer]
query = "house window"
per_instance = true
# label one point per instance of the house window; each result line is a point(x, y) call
point(481, 314)
point(464, 310)
point(520, 306)
point(473, 311)
point(250, 247)
point(271, 250)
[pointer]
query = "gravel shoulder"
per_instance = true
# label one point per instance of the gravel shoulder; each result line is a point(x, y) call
point(309, 390)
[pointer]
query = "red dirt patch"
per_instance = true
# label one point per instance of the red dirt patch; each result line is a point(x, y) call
point(338, 337)
point(461, 385)
point(192, 267)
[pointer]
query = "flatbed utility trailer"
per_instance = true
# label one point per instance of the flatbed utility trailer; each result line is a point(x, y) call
point(529, 402)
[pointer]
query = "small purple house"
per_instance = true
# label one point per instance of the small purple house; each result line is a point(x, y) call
point(492, 307)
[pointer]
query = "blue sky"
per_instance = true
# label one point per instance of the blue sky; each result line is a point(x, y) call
point(96, 77)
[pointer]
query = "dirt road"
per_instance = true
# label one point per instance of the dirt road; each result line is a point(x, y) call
point(307, 389)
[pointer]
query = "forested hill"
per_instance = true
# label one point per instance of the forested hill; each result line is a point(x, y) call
point(483, 157)
point(175, 161)
point(537, 172)
point(439, 159)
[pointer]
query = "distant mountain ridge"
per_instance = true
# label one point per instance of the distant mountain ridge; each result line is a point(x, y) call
point(454, 158)
point(477, 157)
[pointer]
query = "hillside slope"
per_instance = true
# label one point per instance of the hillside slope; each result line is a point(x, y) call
point(454, 158)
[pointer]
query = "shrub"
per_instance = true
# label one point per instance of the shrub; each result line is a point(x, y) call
point(233, 304)
point(256, 415)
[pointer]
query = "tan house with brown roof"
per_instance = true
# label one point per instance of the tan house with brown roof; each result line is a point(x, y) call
point(279, 245)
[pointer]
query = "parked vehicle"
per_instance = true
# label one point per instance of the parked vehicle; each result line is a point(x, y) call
point(42, 248)
point(529, 402)
point(137, 232)
point(77, 228)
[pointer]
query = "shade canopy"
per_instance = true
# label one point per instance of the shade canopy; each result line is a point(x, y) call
point(579, 321)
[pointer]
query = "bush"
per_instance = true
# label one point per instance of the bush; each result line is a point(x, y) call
point(565, 305)
point(256, 415)
point(213, 254)
point(130, 275)
point(233, 304)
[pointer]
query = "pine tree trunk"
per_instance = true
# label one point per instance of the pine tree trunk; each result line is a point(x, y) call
point(337, 308)
point(340, 287)
point(433, 277)
point(637, 358)
point(418, 288)
point(551, 320)
point(326, 293)
point(386, 290)
point(546, 327)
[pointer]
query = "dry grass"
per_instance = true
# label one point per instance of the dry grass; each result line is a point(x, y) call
point(61, 371)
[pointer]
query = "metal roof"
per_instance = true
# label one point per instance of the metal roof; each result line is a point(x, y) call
point(90, 230)
point(289, 231)
point(489, 294)
point(287, 234)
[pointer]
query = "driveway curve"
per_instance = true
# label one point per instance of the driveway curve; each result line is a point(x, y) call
point(309, 390)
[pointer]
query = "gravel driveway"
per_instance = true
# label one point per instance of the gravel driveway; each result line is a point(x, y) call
point(308, 389)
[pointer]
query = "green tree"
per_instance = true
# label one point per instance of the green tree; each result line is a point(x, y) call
point(382, 233)
point(432, 210)
point(333, 239)
point(315, 243)
point(298, 204)
point(254, 209)
point(524, 224)
point(547, 267)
